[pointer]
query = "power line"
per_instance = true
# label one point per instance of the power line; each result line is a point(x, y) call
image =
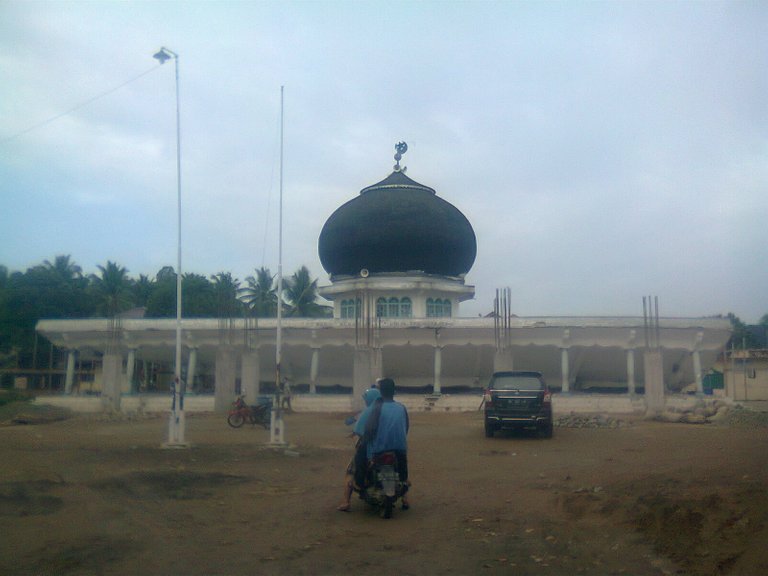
point(78, 107)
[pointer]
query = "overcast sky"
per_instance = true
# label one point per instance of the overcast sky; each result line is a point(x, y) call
point(601, 151)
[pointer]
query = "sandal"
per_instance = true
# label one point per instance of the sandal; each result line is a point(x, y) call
point(343, 507)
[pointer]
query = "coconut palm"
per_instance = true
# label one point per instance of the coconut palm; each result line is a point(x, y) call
point(142, 290)
point(226, 288)
point(112, 288)
point(260, 295)
point(58, 288)
point(300, 293)
point(63, 268)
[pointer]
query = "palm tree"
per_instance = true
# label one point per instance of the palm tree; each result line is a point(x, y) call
point(112, 288)
point(226, 289)
point(260, 295)
point(301, 293)
point(60, 288)
point(142, 290)
point(63, 268)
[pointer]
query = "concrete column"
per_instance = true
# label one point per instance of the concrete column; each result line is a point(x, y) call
point(112, 372)
point(129, 370)
point(191, 369)
point(438, 369)
point(249, 376)
point(224, 386)
point(313, 370)
point(362, 375)
point(145, 367)
point(631, 371)
point(503, 360)
point(377, 368)
point(70, 372)
point(697, 372)
point(697, 363)
point(653, 363)
point(565, 376)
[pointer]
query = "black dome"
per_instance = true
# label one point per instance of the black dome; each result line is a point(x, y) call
point(397, 225)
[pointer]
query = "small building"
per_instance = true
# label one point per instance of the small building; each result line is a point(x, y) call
point(746, 374)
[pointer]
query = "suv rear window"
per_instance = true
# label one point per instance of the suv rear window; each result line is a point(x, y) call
point(514, 382)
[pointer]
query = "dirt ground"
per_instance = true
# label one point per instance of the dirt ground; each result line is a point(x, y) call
point(92, 495)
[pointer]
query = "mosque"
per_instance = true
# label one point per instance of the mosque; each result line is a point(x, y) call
point(397, 256)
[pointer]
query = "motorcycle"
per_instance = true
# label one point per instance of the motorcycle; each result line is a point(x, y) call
point(383, 487)
point(259, 413)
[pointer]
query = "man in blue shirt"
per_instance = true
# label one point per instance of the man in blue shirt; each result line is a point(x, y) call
point(387, 429)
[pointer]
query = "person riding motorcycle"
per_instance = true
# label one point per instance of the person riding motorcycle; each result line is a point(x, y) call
point(360, 458)
point(386, 430)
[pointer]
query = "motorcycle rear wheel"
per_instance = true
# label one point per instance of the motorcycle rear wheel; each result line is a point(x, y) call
point(236, 420)
point(386, 510)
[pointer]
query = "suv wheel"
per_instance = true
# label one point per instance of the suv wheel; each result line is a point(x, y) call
point(490, 429)
point(545, 431)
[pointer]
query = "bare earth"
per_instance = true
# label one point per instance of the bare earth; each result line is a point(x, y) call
point(89, 495)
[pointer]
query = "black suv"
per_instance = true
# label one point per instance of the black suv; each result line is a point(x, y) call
point(518, 400)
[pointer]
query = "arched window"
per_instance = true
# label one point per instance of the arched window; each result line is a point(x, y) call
point(350, 308)
point(393, 308)
point(438, 308)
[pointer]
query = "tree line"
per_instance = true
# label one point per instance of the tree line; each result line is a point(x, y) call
point(60, 289)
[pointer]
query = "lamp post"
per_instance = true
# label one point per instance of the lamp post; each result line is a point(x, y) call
point(177, 423)
point(276, 426)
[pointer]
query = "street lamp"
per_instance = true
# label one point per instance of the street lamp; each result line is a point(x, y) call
point(176, 423)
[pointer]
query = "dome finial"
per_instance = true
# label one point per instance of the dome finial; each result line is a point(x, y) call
point(400, 149)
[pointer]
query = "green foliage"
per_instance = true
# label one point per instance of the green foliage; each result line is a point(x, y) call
point(58, 289)
point(198, 299)
point(301, 294)
point(112, 289)
point(225, 289)
point(49, 290)
point(161, 302)
point(260, 296)
point(742, 337)
point(141, 290)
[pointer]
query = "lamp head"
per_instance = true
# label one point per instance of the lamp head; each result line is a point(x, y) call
point(162, 56)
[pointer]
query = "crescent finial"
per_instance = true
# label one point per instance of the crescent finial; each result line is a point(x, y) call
point(400, 149)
